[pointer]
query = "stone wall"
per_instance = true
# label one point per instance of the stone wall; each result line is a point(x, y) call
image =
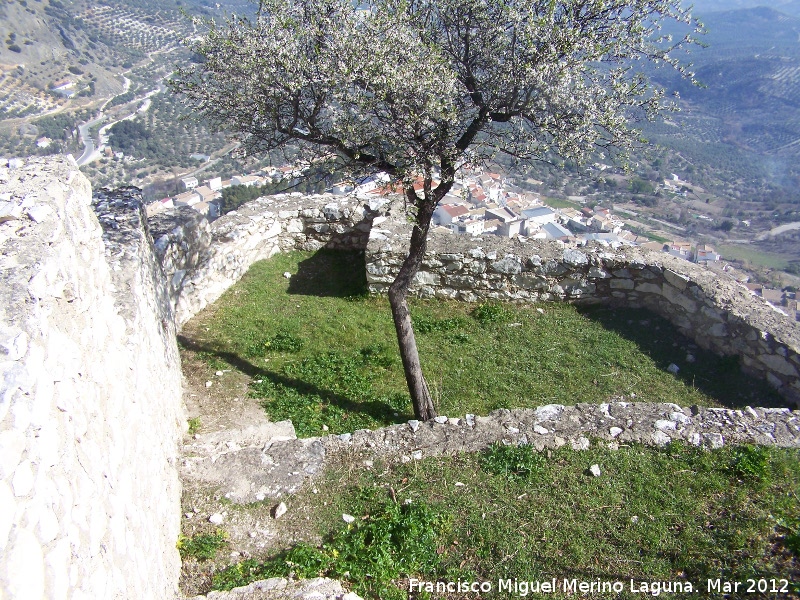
point(90, 400)
point(203, 260)
point(716, 312)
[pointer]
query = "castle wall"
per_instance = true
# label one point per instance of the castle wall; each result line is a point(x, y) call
point(90, 399)
point(203, 260)
point(715, 312)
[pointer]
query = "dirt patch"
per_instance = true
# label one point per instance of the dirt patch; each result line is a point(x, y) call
point(217, 395)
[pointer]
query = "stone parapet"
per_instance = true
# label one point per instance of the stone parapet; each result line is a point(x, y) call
point(90, 399)
point(716, 312)
point(201, 261)
point(609, 424)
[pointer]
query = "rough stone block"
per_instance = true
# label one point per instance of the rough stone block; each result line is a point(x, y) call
point(676, 279)
point(718, 330)
point(675, 296)
point(778, 364)
point(649, 288)
point(622, 284)
point(426, 278)
point(575, 257)
point(529, 281)
point(598, 273)
point(510, 265)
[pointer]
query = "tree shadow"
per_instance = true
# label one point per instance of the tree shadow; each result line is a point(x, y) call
point(719, 377)
point(331, 273)
point(382, 412)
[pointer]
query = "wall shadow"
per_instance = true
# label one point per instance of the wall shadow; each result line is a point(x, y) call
point(332, 273)
point(720, 377)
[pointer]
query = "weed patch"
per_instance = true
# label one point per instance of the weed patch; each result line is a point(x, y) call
point(513, 462)
point(389, 541)
point(491, 313)
point(751, 463)
point(203, 546)
point(194, 425)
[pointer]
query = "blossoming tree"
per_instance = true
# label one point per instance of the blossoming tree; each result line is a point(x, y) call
point(415, 88)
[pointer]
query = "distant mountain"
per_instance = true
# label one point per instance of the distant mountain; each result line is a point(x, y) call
point(752, 63)
point(750, 99)
point(703, 7)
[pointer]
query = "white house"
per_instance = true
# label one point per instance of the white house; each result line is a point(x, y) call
point(246, 180)
point(189, 183)
point(509, 229)
point(186, 199)
point(467, 226)
point(554, 231)
point(446, 213)
point(706, 253)
point(539, 215)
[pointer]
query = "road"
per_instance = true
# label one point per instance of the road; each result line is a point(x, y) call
point(89, 151)
point(780, 229)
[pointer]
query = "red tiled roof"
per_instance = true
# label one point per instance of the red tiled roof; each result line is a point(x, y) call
point(455, 210)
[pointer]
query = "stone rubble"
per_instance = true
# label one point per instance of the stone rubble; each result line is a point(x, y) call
point(244, 476)
point(279, 588)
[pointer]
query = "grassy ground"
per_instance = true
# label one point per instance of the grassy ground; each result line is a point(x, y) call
point(754, 256)
point(321, 352)
point(677, 514)
point(560, 203)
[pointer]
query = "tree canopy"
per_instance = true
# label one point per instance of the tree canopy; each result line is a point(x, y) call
point(415, 88)
point(408, 86)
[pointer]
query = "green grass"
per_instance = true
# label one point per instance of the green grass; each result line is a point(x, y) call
point(559, 203)
point(319, 351)
point(671, 514)
point(754, 256)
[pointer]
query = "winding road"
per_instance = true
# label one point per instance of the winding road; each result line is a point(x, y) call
point(92, 152)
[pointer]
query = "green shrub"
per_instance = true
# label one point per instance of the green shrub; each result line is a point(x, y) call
point(489, 313)
point(285, 342)
point(424, 324)
point(751, 463)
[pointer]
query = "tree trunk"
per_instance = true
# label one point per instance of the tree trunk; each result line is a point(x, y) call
point(398, 292)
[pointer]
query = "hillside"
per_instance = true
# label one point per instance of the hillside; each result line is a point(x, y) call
point(59, 54)
point(740, 131)
point(704, 7)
